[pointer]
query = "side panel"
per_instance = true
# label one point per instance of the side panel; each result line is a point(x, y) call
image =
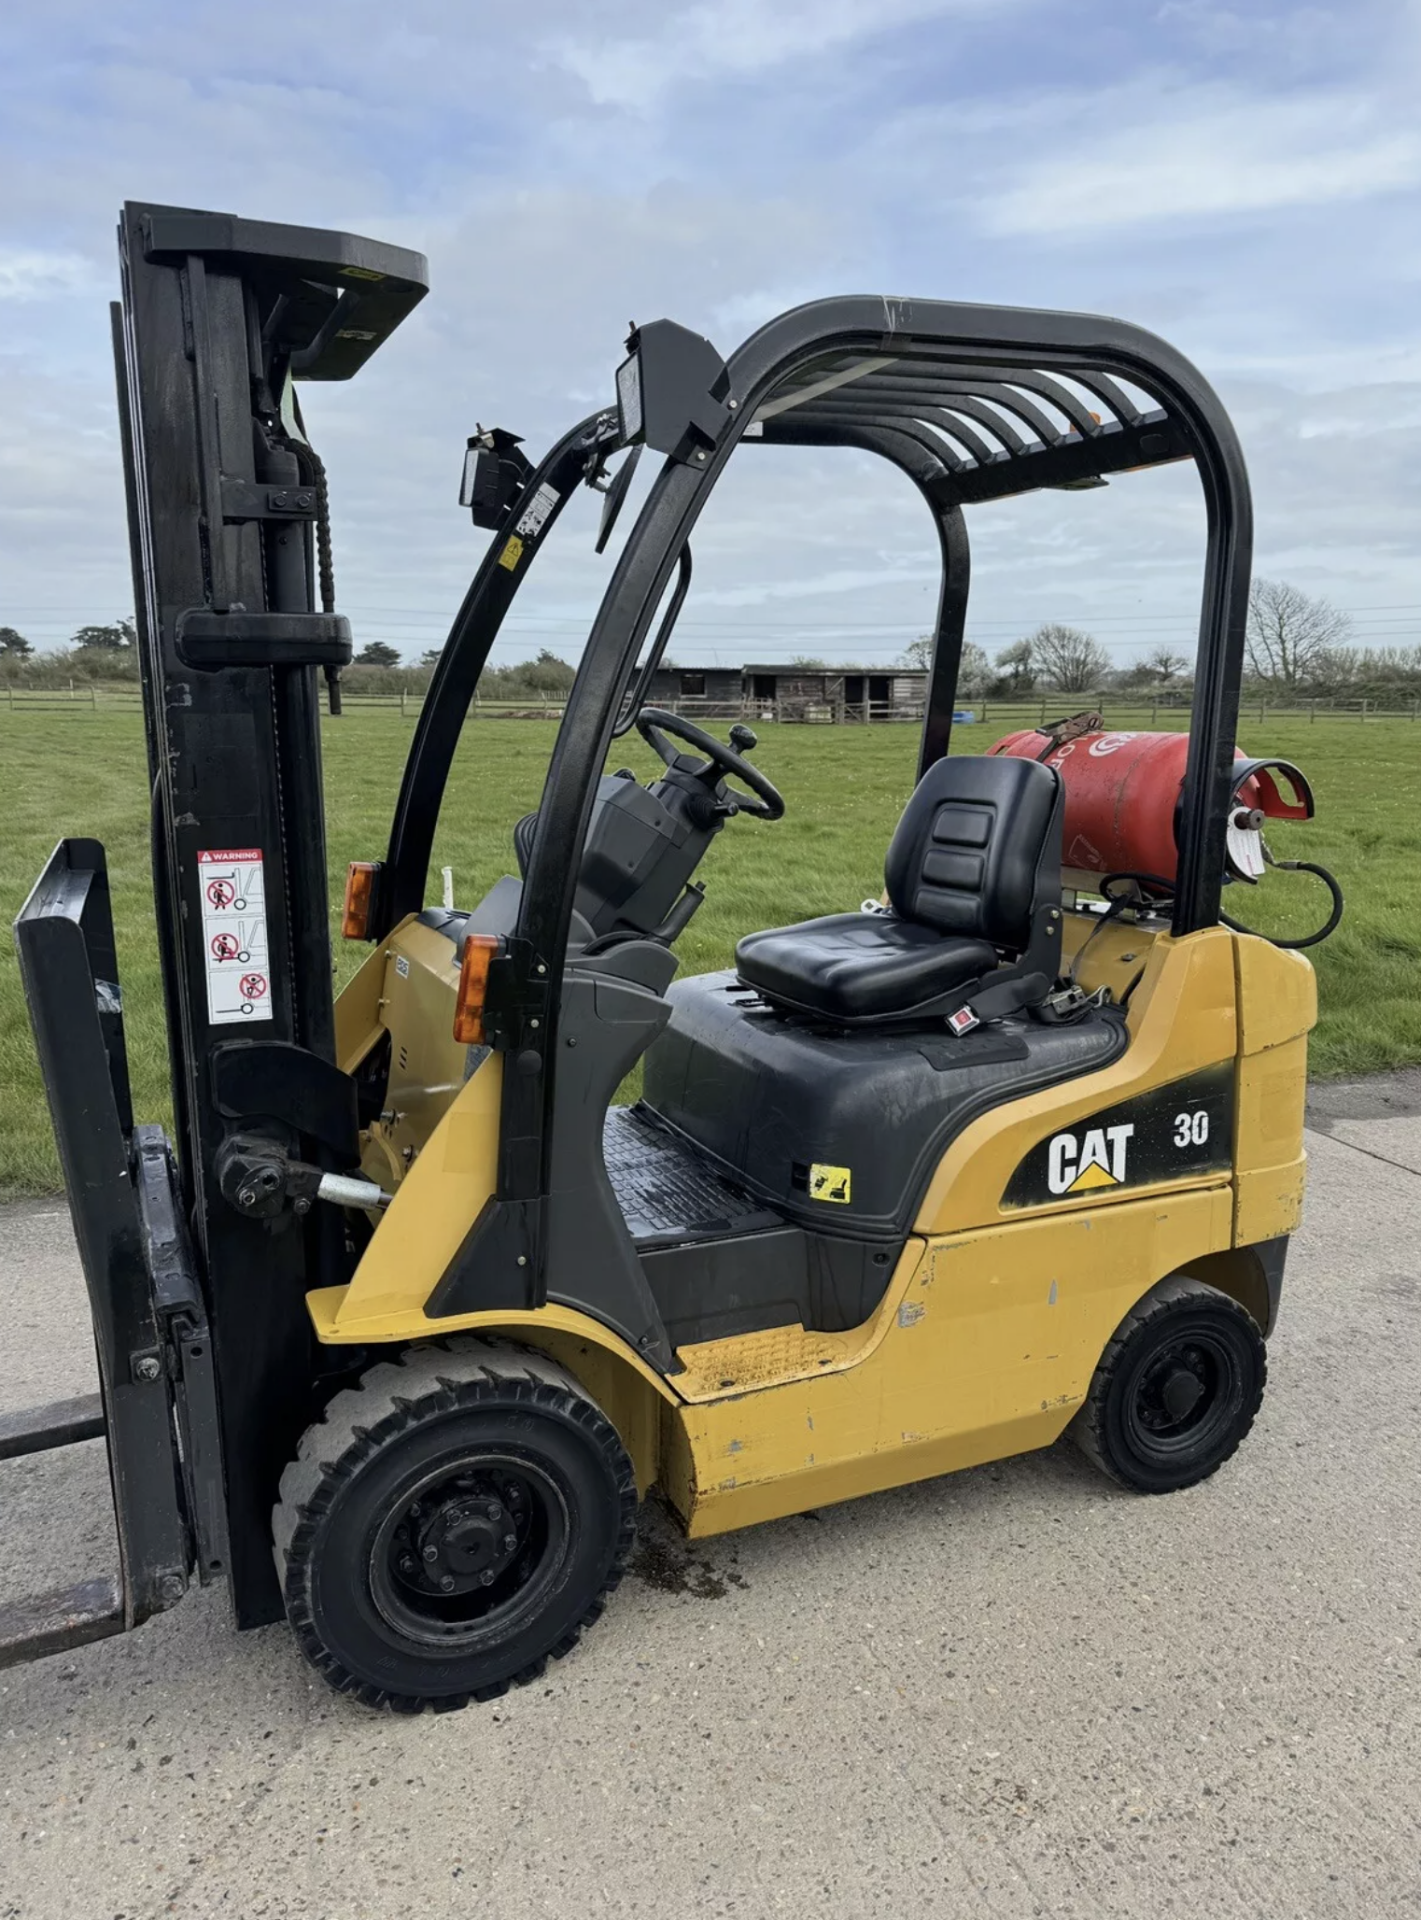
point(425, 1224)
point(1182, 1021)
point(357, 1012)
point(1277, 998)
point(989, 1350)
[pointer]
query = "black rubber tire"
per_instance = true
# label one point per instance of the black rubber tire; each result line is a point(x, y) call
point(1179, 1316)
point(433, 1409)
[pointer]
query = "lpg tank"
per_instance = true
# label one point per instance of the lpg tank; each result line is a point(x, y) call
point(1123, 792)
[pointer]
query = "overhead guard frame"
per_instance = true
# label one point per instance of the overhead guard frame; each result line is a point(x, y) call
point(938, 343)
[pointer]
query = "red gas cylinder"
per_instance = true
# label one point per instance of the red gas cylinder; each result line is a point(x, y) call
point(1122, 799)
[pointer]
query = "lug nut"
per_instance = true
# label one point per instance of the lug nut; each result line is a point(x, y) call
point(431, 1554)
point(510, 1541)
point(447, 1583)
point(486, 1578)
point(495, 1511)
point(408, 1563)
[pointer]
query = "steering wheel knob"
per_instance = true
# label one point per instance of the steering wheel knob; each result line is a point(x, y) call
point(659, 728)
point(743, 738)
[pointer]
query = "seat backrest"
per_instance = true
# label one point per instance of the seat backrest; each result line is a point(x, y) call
point(978, 847)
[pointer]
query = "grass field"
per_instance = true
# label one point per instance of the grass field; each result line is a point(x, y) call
point(83, 772)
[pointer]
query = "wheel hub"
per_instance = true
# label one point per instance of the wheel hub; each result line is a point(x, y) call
point(1176, 1390)
point(1181, 1393)
point(464, 1538)
point(470, 1538)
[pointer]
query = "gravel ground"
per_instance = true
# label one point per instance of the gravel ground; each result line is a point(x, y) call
point(1010, 1692)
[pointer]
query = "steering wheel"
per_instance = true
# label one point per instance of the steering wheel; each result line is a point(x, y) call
point(655, 723)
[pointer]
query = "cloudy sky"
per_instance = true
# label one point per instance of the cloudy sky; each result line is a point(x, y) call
point(1245, 180)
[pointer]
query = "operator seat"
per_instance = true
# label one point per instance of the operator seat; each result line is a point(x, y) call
point(974, 922)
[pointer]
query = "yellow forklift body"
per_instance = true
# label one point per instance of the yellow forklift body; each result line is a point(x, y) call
point(989, 1331)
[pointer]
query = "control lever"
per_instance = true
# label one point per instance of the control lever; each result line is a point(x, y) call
point(743, 738)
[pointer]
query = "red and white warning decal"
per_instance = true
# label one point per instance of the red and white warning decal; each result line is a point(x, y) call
point(233, 885)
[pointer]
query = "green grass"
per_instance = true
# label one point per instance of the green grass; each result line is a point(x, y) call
point(83, 772)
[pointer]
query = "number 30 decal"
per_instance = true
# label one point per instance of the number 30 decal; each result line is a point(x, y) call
point(1191, 1129)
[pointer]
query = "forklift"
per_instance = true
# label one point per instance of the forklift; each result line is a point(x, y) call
point(402, 1323)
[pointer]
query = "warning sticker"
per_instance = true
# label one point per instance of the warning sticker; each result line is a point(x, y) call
point(233, 886)
point(830, 1183)
point(512, 552)
point(531, 520)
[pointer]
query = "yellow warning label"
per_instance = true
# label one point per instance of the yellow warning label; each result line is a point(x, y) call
point(360, 273)
point(829, 1183)
point(512, 552)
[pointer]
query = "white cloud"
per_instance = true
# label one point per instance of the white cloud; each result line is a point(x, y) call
point(30, 275)
point(731, 38)
point(718, 161)
point(1193, 153)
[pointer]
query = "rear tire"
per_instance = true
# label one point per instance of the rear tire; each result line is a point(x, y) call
point(1176, 1391)
point(450, 1525)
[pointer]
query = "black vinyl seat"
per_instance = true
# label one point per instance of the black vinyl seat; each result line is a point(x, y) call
point(974, 886)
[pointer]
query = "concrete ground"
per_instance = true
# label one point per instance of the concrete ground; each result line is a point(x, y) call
point(1010, 1692)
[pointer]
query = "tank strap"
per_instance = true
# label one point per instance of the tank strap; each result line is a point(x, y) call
point(1059, 732)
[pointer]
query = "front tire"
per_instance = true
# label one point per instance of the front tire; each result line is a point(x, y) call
point(450, 1525)
point(1176, 1391)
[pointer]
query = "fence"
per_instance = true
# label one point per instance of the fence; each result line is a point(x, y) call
point(1119, 709)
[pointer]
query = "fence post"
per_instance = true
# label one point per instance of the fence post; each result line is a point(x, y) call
point(71, 689)
point(1363, 715)
point(1312, 713)
point(94, 694)
point(1154, 714)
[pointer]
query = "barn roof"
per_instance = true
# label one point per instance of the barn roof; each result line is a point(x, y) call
point(836, 666)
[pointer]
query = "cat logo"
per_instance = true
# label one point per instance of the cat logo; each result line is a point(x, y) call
point(1095, 1160)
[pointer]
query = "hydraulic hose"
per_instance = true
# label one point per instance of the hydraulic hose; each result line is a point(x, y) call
point(1166, 887)
point(1309, 940)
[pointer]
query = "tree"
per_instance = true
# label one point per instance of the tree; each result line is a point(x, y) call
point(14, 646)
point(1164, 665)
point(111, 639)
point(806, 663)
point(1068, 658)
point(548, 674)
point(431, 656)
point(1018, 673)
point(377, 654)
point(973, 669)
point(1289, 632)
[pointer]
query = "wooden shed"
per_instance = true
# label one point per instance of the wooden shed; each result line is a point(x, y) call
point(711, 690)
point(843, 693)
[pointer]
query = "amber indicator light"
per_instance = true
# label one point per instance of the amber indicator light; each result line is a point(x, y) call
point(480, 950)
point(359, 898)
